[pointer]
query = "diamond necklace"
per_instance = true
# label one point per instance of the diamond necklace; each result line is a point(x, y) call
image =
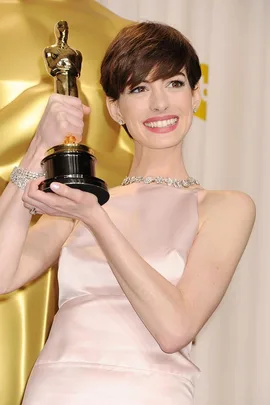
point(190, 181)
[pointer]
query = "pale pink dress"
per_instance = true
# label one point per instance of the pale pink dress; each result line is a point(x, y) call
point(99, 352)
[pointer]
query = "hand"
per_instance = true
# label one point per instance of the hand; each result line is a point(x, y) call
point(63, 115)
point(63, 202)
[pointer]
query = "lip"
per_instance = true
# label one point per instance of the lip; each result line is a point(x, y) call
point(162, 130)
point(160, 118)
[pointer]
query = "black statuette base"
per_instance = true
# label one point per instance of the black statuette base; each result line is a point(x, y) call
point(73, 165)
point(82, 182)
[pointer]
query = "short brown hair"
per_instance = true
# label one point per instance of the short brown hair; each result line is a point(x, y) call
point(147, 47)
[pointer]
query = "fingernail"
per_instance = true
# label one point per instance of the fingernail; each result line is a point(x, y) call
point(55, 186)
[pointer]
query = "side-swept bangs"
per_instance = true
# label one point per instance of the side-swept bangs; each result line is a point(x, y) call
point(147, 49)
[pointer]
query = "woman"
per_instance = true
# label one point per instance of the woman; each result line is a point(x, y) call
point(139, 276)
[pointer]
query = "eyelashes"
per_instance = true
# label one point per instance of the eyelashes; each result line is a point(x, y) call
point(138, 89)
point(175, 84)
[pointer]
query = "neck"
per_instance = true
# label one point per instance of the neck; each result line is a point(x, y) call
point(61, 43)
point(158, 162)
point(62, 40)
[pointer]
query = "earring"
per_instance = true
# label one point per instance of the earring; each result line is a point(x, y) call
point(121, 122)
point(194, 110)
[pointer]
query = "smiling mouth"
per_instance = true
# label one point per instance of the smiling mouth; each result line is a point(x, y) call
point(161, 123)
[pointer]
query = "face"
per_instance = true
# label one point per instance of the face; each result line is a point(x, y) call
point(61, 27)
point(157, 114)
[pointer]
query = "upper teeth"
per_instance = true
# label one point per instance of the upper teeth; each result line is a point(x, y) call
point(164, 123)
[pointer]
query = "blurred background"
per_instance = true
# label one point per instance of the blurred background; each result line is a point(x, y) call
point(227, 148)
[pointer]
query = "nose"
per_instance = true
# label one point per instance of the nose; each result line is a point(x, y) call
point(159, 100)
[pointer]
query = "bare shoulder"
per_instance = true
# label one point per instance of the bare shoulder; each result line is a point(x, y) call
point(226, 204)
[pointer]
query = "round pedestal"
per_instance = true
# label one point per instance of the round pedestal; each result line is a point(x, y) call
point(73, 165)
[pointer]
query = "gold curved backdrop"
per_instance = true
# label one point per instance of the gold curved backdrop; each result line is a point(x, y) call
point(26, 28)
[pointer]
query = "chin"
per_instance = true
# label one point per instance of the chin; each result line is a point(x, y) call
point(163, 143)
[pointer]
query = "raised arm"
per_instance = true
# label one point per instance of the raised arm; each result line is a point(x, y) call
point(52, 59)
point(24, 253)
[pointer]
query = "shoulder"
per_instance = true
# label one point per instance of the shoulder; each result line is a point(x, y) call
point(49, 48)
point(225, 198)
point(226, 205)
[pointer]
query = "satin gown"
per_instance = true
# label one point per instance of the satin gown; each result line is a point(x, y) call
point(99, 352)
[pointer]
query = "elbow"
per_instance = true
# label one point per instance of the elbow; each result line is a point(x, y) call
point(174, 342)
point(174, 346)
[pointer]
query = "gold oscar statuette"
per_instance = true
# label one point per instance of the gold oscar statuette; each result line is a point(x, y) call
point(70, 163)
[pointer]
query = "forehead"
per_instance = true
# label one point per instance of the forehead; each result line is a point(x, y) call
point(62, 25)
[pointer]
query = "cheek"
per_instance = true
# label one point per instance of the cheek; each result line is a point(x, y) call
point(133, 113)
point(187, 116)
point(184, 103)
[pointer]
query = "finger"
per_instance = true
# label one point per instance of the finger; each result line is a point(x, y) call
point(28, 206)
point(38, 205)
point(69, 110)
point(49, 203)
point(37, 212)
point(33, 184)
point(64, 99)
point(86, 109)
point(32, 205)
point(66, 191)
point(34, 197)
point(68, 128)
point(58, 108)
point(67, 116)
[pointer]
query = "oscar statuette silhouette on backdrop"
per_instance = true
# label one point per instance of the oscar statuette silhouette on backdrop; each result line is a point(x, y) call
point(70, 163)
point(25, 29)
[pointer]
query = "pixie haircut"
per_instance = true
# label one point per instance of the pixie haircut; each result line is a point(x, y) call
point(147, 47)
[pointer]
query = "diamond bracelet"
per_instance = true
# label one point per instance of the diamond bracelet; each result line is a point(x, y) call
point(20, 177)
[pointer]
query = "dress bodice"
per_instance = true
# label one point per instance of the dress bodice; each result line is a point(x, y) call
point(160, 222)
point(96, 323)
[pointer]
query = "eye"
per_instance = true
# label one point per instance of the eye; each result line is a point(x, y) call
point(138, 89)
point(176, 83)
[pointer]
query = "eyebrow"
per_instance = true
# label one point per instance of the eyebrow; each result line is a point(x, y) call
point(177, 74)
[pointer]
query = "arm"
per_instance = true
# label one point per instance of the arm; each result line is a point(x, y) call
point(18, 247)
point(41, 249)
point(24, 253)
point(15, 220)
point(52, 59)
point(172, 314)
point(79, 62)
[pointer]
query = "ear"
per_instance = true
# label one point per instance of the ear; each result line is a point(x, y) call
point(196, 96)
point(113, 109)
